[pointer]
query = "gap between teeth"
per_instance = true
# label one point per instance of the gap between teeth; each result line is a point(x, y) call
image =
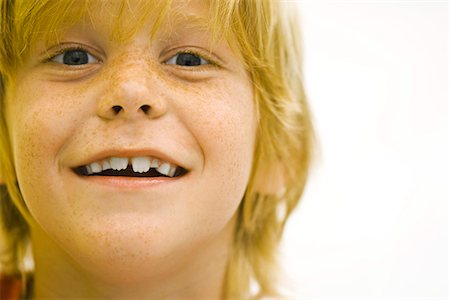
point(139, 165)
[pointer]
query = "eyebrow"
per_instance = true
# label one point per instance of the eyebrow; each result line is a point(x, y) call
point(177, 19)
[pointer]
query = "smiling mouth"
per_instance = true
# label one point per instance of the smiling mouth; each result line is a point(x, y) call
point(128, 172)
point(143, 166)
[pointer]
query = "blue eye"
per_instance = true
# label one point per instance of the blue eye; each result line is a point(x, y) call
point(187, 60)
point(74, 57)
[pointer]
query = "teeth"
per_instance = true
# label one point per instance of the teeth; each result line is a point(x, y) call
point(96, 167)
point(140, 164)
point(155, 163)
point(164, 168)
point(172, 170)
point(118, 163)
point(106, 165)
point(88, 169)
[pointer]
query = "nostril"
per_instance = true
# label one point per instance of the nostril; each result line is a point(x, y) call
point(145, 108)
point(117, 108)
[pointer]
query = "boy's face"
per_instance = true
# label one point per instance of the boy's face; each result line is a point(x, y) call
point(100, 99)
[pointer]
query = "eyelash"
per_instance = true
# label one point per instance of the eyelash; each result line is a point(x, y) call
point(207, 58)
point(68, 49)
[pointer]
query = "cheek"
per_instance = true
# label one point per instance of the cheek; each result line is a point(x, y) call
point(224, 124)
point(40, 121)
point(41, 118)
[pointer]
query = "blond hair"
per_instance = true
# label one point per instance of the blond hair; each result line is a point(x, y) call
point(266, 36)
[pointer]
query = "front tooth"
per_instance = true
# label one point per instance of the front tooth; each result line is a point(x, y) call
point(118, 163)
point(106, 165)
point(140, 164)
point(164, 168)
point(96, 167)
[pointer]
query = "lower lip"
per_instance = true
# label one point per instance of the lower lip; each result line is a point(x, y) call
point(132, 182)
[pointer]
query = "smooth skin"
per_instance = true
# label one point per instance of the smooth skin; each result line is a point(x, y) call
point(167, 241)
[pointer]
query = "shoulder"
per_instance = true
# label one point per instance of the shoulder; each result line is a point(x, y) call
point(10, 287)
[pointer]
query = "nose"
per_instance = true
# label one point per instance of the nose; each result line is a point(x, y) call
point(129, 98)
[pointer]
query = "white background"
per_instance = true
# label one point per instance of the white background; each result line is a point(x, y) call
point(373, 223)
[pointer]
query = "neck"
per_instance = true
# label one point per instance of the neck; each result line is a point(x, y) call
point(58, 276)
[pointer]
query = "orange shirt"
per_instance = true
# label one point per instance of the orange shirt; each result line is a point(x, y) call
point(11, 287)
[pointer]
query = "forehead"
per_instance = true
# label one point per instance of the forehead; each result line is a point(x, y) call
point(121, 19)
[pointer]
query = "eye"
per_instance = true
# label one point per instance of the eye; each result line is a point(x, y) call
point(187, 59)
point(74, 57)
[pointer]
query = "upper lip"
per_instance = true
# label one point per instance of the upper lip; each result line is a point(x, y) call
point(129, 153)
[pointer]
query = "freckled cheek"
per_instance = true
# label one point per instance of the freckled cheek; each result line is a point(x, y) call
point(41, 124)
point(227, 130)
